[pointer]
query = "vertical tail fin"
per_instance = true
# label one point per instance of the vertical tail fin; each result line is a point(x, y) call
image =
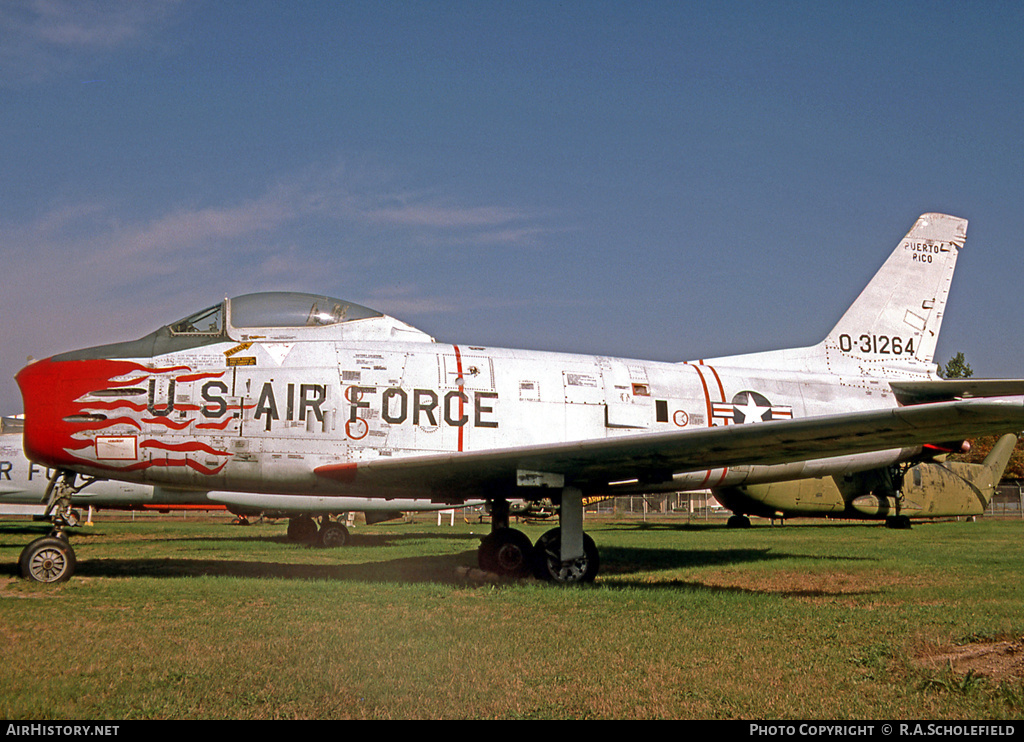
point(894, 323)
point(893, 326)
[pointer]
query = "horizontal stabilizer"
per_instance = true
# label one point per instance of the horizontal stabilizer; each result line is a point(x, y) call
point(947, 390)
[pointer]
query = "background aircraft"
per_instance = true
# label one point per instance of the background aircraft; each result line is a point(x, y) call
point(929, 489)
point(304, 395)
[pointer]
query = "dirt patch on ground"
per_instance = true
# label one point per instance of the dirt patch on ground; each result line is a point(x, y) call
point(1003, 660)
point(16, 588)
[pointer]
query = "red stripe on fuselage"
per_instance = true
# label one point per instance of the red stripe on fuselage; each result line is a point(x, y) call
point(710, 409)
point(461, 384)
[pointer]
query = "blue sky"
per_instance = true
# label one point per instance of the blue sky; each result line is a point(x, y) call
point(645, 179)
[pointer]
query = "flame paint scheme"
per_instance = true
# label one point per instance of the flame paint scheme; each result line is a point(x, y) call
point(299, 394)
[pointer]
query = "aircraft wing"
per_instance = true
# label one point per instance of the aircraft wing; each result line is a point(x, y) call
point(592, 464)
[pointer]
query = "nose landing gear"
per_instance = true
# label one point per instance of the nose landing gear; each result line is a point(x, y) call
point(51, 559)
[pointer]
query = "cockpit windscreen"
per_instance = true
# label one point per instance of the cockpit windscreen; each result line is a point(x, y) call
point(209, 321)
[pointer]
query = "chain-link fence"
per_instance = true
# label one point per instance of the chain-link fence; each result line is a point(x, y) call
point(1008, 501)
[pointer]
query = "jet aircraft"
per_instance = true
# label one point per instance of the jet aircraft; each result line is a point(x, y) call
point(306, 395)
point(928, 489)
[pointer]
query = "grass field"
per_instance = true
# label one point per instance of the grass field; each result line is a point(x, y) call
point(196, 618)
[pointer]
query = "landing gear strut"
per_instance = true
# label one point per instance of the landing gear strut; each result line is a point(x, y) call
point(894, 485)
point(51, 559)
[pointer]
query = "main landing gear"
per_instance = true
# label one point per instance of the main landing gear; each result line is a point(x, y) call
point(505, 551)
point(51, 559)
point(330, 534)
point(564, 555)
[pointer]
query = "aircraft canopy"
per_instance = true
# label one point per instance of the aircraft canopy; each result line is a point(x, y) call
point(273, 309)
point(292, 309)
point(276, 316)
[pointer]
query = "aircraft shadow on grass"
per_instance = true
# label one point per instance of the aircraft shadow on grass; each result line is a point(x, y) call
point(409, 569)
point(620, 563)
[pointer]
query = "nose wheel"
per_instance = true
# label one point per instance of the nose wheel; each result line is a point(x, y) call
point(49, 559)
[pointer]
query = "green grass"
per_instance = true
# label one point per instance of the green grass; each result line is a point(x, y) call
point(196, 618)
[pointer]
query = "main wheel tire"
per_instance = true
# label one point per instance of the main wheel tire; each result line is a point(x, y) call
point(548, 564)
point(506, 552)
point(899, 522)
point(48, 560)
point(332, 535)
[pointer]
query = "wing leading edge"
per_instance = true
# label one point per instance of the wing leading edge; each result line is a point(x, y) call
point(592, 464)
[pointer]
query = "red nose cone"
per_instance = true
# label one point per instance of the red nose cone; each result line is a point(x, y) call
point(40, 389)
point(57, 420)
